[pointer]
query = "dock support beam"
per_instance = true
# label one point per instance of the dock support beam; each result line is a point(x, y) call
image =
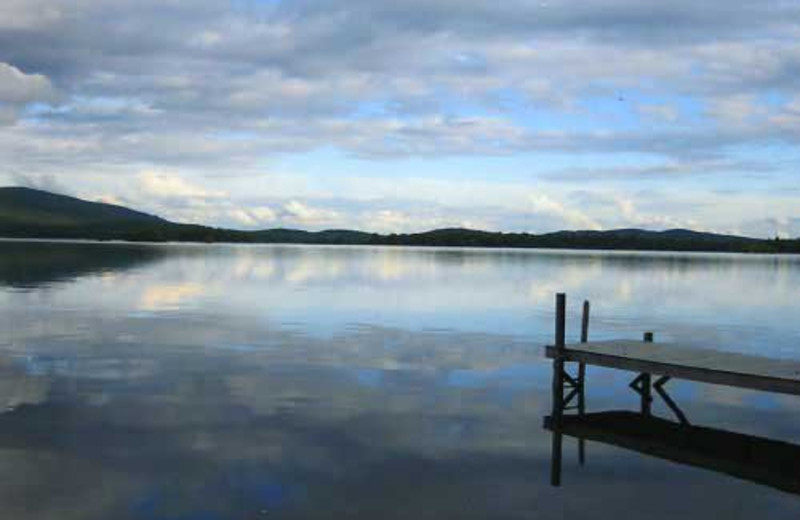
point(568, 388)
point(582, 379)
point(647, 388)
point(558, 388)
point(643, 385)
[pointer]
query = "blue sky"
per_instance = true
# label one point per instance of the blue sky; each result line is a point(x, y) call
point(409, 115)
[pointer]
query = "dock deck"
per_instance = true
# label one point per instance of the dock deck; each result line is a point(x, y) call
point(687, 362)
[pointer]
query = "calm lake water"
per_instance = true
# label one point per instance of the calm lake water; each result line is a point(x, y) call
point(166, 382)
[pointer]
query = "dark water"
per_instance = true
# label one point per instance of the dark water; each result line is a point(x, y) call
point(220, 382)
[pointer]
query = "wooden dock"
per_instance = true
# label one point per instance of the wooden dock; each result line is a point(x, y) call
point(687, 362)
point(654, 364)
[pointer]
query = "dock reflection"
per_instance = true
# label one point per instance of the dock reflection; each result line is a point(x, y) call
point(760, 460)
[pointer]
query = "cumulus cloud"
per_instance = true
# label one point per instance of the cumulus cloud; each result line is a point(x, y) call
point(253, 218)
point(571, 217)
point(298, 212)
point(165, 185)
point(18, 89)
point(631, 216)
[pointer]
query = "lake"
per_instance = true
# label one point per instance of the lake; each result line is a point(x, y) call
point(167, 382)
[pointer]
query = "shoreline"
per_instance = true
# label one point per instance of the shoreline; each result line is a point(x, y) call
point(432, 247)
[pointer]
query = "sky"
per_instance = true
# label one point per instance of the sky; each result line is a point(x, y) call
point(408, 115)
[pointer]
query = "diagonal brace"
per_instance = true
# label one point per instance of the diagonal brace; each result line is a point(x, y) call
point(672, 405)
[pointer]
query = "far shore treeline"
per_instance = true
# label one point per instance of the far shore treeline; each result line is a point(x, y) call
point(29, 213)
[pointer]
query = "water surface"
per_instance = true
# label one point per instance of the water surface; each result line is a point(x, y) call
point(167, 382)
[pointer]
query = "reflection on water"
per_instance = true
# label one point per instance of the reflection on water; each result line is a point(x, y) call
point(764, 461)
point(37, 264)
point(231, 382)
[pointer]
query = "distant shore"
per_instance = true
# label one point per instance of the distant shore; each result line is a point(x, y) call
point(620, 240)
point(27, 213)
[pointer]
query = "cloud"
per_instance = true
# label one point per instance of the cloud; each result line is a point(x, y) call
point(738, 109)
point(46, 182)
point(303, 61)
point(618, 91)
point(783, 227)
point(28, 14)
point(297, 212)
point(165, 185)
point(788, 117)
point(18, 89)
point(670, 170)
point(572, 218)
point(253, 218)
point(632, 217)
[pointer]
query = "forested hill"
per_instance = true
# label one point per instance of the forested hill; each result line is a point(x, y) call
point(29, 213)
point(21, 207)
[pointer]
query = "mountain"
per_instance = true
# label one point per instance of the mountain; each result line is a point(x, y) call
point(25, 210)
point(29, 213)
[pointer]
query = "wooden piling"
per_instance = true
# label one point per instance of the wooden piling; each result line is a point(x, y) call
point(585, 322)
point(561, 320)
point(582, 379)
point(558, 387)
point(647, 386)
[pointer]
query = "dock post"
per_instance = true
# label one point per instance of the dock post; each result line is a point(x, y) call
point(647, 387)
point(582, 379)
point(558, 388)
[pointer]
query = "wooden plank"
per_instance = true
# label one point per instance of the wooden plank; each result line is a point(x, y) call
point(690, 363)
point(756, 459)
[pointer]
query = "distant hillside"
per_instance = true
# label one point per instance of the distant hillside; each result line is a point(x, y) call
point(26, 210)
point(29, 213)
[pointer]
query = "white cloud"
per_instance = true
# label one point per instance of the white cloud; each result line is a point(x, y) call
point(572, 218)
point(253, 218)
point(18, 89)
point(632, 217)
point(166, 185)
point(298, 212)
point(29, 14)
